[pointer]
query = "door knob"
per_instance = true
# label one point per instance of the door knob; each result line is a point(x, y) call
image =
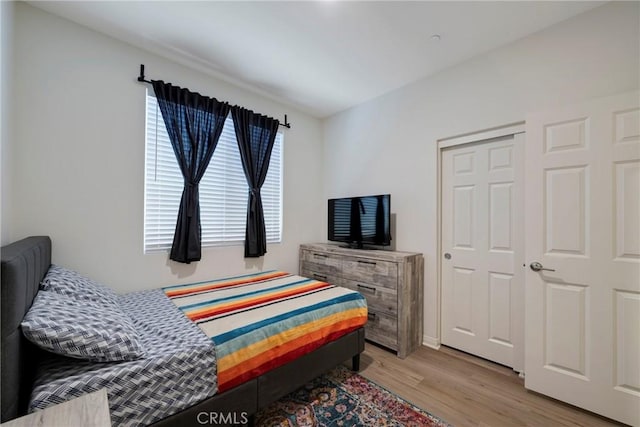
point(447, 255)
point(536, 266)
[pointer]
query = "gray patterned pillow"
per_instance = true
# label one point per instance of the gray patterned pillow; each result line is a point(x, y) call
point(73, 328)
point(72, 284)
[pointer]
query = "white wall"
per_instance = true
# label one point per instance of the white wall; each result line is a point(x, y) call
point(6, 37)
point(77, 151)
point(388, 145)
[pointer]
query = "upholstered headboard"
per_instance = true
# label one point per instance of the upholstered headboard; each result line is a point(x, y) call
point(24, 265)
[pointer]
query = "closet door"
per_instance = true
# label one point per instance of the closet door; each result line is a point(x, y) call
point(482, 245)
point(583, 256)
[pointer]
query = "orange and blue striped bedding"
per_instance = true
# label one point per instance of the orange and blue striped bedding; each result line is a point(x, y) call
point(264, 320)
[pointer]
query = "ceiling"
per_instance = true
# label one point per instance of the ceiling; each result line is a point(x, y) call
point(320, 56)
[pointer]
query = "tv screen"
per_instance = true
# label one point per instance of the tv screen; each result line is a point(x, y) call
point(360, 221)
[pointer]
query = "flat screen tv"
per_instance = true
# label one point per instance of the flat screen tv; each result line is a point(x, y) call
point(360, 221)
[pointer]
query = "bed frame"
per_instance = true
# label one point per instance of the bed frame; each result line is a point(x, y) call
point(24, 265)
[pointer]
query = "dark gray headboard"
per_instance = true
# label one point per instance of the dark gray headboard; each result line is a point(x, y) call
point(24, 265)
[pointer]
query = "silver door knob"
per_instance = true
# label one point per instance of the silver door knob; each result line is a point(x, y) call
point(536, 266)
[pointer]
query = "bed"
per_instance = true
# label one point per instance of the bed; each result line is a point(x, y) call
point(25, 264)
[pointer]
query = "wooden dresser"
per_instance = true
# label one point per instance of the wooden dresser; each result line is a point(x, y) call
point(391, 281)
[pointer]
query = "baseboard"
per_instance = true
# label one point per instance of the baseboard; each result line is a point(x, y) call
point(431, 342)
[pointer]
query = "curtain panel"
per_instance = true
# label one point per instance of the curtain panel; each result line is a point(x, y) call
point(194, 124)
point(256, 135)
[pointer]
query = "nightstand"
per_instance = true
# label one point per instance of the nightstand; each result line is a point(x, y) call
point(90, 410)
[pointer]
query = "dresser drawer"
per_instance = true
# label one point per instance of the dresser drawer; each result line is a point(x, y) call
point(323, 277)
point(380, 273)
point(382, 329)
point(320, 263)
point(378, 298)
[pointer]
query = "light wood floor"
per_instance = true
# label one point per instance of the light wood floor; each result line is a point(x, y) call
point(468, 391)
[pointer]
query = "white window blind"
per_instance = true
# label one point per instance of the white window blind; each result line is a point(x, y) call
point(223, 189)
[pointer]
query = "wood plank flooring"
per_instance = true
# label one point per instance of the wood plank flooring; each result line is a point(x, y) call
point(468, 391)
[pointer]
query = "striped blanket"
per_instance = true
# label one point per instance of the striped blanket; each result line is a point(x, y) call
point(261, 321)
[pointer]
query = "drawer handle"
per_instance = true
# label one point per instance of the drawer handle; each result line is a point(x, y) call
point(320, 277)
point(366, 262)
point(371, 316)
point(320, 255)
point(367, 288)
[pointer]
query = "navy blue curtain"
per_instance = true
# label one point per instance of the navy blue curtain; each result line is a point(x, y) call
point(194, 124)
point(256, 135)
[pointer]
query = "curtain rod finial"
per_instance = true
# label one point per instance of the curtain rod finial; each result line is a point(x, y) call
point(141, 76)
point(286, 122)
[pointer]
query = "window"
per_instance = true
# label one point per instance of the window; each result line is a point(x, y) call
point(223, 189)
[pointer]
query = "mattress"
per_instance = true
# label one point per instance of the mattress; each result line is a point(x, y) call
point(178, 371)
point(264, 320)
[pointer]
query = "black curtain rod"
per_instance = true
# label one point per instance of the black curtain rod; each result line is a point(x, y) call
point(142, 79)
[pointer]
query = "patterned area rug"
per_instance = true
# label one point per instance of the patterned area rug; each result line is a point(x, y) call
point(344, 398)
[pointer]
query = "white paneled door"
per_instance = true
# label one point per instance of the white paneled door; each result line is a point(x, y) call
point(582, 209)
point(482, 248)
